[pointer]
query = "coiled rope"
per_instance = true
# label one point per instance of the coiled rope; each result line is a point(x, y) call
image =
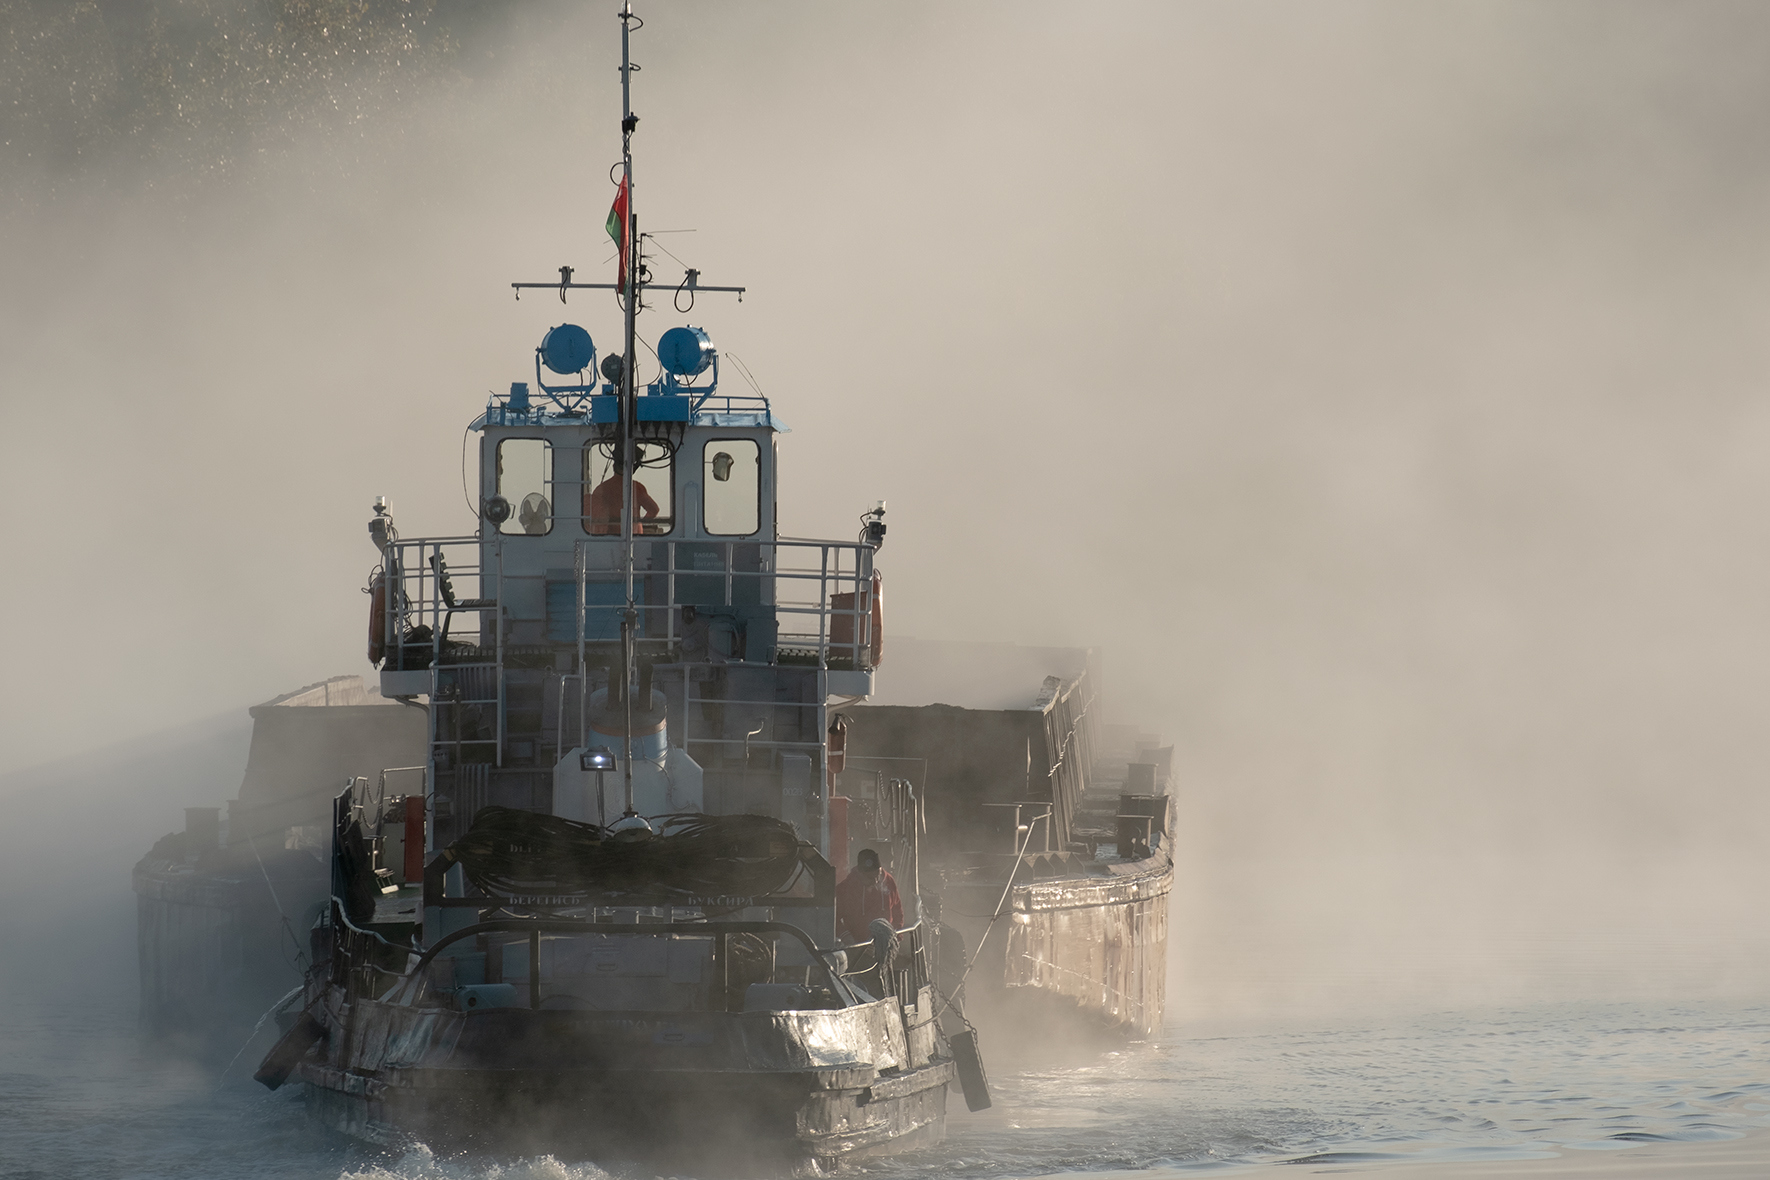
point(509, 852)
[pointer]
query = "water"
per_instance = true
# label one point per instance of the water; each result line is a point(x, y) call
point(80, 1097)
point(1486, 1084)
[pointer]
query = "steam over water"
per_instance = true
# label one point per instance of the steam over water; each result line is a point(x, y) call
point(79, 1097)
point(1381, 385)
point(81, 1094)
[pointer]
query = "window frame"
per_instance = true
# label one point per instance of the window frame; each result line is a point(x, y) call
point(669, 520)
point(511, 526)
point(707, 481)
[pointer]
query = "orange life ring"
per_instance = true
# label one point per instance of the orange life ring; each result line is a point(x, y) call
point(878, 618)
point(377, 619)
point(845, 612)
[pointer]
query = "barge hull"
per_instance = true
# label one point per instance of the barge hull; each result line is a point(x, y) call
point(1108, 957)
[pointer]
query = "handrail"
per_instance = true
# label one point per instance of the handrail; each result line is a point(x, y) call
point(415, 971)
point(340, 969)
point(344, 917)
point(912, 977)
point(843, 567)
point(913, 928)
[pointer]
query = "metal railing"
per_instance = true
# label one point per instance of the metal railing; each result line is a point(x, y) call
point(714, 400)
point(820, 595)
point(362, 962)
point(432, 579)
point(904, 976)
point(825, 588)
point(794, 602)
point(367, 965)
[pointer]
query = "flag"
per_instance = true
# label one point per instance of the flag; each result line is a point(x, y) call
point(618, 221)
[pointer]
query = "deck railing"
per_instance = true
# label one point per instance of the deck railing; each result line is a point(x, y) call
point(813, 603)
point(787, 602)
point(904, 976)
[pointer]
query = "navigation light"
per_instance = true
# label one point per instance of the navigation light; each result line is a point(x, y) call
point(630, 827)
point(872, 532)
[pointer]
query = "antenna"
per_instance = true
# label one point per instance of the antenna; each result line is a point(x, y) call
point(628, 389)
point(633, 280)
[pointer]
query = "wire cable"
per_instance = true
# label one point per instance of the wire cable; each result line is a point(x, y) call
point(465, 494)
point(665, 248)
point(1006, 889)
point(744, 369)
point(654, 356)
point(300, 961)
point(271, 1011)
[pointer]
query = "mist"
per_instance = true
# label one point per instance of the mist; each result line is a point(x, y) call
point(1379, 386)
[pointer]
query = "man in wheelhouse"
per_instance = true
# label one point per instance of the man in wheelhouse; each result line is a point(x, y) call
point(602, 506)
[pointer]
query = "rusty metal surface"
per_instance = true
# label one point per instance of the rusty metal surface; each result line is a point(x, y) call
point(871, 1038)
point(710, 1116)
point(822, 1083)
point(1094, 934)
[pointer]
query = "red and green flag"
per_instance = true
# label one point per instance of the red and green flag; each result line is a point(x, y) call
point(618, 221)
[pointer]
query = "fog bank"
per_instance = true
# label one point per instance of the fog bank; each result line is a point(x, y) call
point(1379, 385)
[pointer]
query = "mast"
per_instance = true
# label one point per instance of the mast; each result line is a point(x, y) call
point(628, 395)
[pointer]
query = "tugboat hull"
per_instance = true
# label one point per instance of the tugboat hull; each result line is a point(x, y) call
point(771, 1085)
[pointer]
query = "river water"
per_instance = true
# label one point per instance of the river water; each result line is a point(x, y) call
point(80, 1096)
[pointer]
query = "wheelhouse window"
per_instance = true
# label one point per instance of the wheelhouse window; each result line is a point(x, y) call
point(525, 479)
point(731, 482)
point(654, 497)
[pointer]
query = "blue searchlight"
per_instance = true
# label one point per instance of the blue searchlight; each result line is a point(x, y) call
point(567, 349)
point(685, 352)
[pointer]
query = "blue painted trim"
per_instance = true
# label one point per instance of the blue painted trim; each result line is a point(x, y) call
point(604, 408)
point(662, 408)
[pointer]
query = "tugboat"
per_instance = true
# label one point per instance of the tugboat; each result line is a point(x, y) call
point(579, 894)
point(607, 923)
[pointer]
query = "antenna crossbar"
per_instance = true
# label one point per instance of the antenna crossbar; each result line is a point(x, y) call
point(558, 286)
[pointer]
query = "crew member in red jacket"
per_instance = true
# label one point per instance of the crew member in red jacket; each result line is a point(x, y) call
point(865, 895)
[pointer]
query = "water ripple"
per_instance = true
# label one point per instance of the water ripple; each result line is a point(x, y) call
point(79, 1096)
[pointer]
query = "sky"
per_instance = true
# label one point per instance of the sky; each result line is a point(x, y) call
point(1377, 384)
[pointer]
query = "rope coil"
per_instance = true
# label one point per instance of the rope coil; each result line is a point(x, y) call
point(509, 852)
